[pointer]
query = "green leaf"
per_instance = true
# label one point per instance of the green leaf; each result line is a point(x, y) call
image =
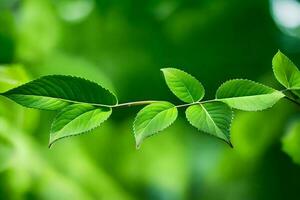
point(286, 71)
point(247, 95)
point(152, 119)
point(56, 91)
point(77, 119)
point(291, 142)
point(183, 85)
point(213, 118)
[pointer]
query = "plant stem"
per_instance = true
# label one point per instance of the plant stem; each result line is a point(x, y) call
point(292, 100)
point(147, 102)
point(288, 95)
point(137, 103)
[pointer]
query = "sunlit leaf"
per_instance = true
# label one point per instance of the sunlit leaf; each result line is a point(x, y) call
point(286, 71)
point(77, 119)
point(247, 95)
point(213, 118)
point(152, 119)
point(183, 85)
point(56, 91)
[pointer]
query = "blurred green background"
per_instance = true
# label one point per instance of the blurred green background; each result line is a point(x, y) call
point(122, 44)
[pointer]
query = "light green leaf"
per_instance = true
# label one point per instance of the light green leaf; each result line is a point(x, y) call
point(286, 71)
point(57, 91)
point(77, 119)
point(213, 118)
point(247, 95)
point(291, 142)
point(186, 87)
point(152, 119)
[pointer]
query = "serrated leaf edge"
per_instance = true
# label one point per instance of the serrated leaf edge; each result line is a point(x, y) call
point(194, 101)
point(240, 79)
point(65, 100)
point(51, 143)
point(229, 129)
point(138, 145)
point(289, 87)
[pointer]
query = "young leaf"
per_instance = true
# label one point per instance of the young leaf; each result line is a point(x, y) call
point(183, 85)
point(76, 119)
point(152, 119)
point(247, 95)
point(56, 91)
point(286, 71)
point(213, 118)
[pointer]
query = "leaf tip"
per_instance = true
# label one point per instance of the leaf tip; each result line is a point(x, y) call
point(138, 141)
point(52, 141)
point(164, 70)
point(50, 144)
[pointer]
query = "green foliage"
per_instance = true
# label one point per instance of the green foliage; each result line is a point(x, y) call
point(152, 119)
point(56, 92)
point(248, 95)
point(213, 118)
point(77, 119)
point(85, 104)
point(286, 71)
point(291, 141)
point(183, 85)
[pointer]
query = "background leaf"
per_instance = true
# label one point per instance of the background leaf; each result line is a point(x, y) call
point(57, 91)
point(247, 95)
point(77, 119)
point(213, 118)
point(152, 119)
point(286, 71)
point(291, 141)
point(186, 87)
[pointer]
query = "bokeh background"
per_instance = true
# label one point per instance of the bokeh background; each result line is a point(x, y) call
point(122, 44)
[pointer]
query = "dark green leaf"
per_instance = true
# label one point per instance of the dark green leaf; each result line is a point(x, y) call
point(57, 91)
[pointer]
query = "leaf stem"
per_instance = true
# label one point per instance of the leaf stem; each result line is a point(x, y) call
point(287, 96)
point(137, 103)
point(292, 100)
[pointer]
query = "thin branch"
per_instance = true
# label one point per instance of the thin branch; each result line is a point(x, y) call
point(287, 94)
point(292, 100)
point(137, 103)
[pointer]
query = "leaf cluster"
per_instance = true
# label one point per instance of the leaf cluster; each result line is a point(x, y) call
point(83, 105)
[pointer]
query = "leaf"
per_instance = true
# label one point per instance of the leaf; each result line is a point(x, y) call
point(183, 85)
point(152, 119)
point(247, 95)
point(77, 119)
point(57, 91)
point(213, 118)
point(286, 71)
point(291, 142)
